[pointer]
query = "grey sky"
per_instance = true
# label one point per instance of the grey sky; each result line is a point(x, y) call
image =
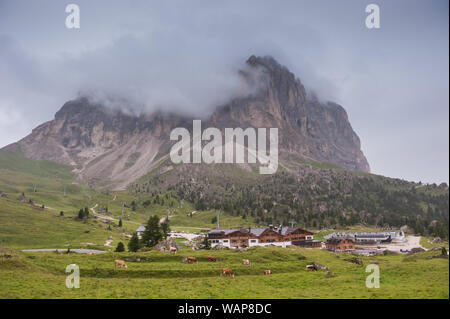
point(182, 56)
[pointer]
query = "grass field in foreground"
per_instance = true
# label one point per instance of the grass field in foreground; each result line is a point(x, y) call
point(42, 275)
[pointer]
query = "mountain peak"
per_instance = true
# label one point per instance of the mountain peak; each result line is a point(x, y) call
point(117, 147)
point(267, 61)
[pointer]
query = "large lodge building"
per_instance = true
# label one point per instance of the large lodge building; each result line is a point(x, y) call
point(270, 236)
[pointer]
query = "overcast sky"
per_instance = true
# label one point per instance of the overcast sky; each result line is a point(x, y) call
point(183, 56)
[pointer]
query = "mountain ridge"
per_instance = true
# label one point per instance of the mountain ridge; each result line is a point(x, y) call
point(112, 148)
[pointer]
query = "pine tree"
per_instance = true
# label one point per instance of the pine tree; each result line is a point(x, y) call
point(152, 234)
point(86, 212)
point(165, 228)
point(120, 222)
point(134, 245)
point(206, 243)
point(80, 214)
point(120, 247)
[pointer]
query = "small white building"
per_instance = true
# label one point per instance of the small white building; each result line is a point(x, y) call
point(140, 231)
point(369, 237)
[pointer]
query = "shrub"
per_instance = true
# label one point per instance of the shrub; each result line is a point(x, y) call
point(120, 247)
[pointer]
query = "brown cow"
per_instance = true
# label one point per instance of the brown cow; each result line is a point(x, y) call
point(246, 262)
point(212, 258)
point(227, 271)
point(190, 259)
point(267, 272)
point(120, 263)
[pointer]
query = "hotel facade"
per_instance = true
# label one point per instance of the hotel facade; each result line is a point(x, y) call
point(269, 236)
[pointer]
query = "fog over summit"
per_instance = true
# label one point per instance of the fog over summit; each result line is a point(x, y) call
point(185, 56)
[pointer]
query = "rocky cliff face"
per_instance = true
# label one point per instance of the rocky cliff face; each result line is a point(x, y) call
point(113, 148)
point(103, 146)
point(306, 127)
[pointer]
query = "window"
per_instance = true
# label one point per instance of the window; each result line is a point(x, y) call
point(225, 240)
point(253, 240)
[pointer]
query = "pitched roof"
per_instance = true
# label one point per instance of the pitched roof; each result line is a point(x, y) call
point(255, 231)
point(335, 241)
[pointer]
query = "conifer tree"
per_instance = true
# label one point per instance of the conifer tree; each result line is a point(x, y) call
point(134, 244)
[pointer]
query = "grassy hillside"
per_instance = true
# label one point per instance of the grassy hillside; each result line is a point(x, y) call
point(42, 275)
point(16, 162)
point(314, 195)
point(23, 225)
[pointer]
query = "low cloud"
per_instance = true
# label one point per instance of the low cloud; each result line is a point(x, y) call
point(183, 56)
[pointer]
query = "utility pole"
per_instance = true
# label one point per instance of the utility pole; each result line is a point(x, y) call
point(64, 190)
point(292, 222)
point(218, 219)
point(123, 211)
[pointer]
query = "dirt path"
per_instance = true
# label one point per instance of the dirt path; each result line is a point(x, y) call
point(105, 217)
point(81, 251)
point(93, 209)
point(108, 242)
point(184, 235)
point(411, 242)
point(46, 207)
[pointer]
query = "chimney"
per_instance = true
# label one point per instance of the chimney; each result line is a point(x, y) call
point(270, 226)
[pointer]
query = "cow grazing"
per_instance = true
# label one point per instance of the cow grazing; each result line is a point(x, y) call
point(227, 271)
point(246, 262)
point(120, 263)
point(212, 258)
point(173, 250)
point(190, 260)
point(90, 254)
point(267, 272)
point(311, 267)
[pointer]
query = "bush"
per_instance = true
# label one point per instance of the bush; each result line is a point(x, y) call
point(120, 247)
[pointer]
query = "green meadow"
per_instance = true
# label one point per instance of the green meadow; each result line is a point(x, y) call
point(163, 275)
